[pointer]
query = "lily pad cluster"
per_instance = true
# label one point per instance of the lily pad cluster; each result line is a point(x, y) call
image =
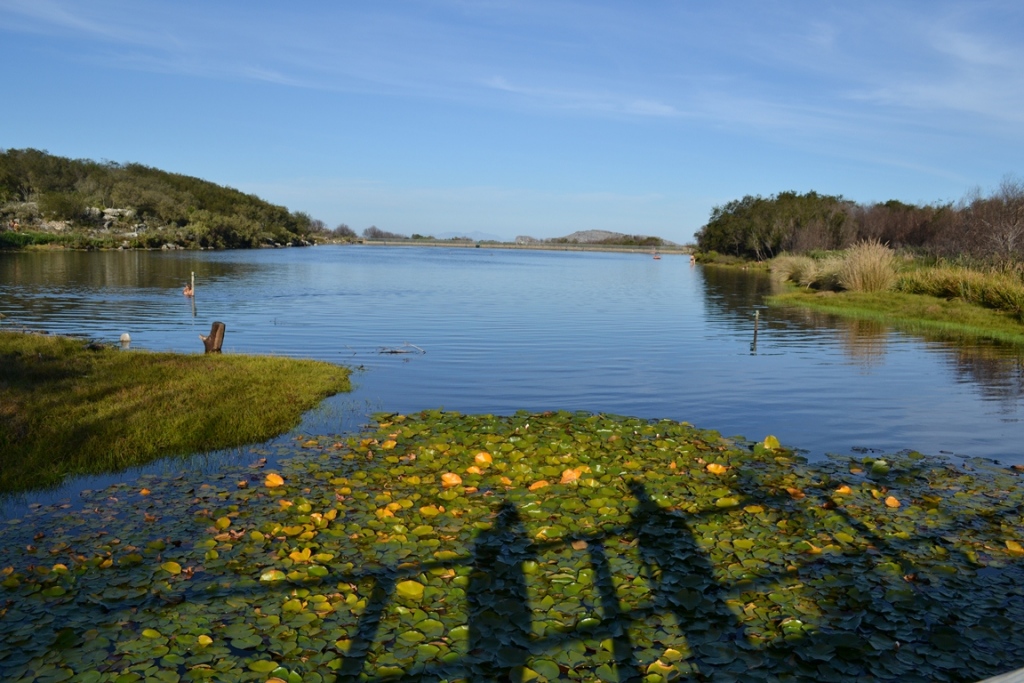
point(531, 547)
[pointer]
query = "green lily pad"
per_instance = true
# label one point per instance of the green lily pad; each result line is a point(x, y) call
point(272, 575)
point(410, 590)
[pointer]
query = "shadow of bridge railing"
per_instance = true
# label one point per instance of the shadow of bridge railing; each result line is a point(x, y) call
point(682, 579)
point(673, 565)
point(500, 619)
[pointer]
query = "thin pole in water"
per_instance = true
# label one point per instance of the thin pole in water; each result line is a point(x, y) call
point(757, 318)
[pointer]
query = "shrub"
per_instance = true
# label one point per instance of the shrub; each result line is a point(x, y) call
point(62, 206)
point(827, 272)
point(868, 266)
point(808, 272)
point(790, 268)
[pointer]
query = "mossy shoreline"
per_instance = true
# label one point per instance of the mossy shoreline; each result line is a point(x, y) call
point(918, 313)
point(68, 407)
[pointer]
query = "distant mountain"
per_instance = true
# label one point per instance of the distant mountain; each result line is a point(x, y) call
point(593, 236)
point(599, 237)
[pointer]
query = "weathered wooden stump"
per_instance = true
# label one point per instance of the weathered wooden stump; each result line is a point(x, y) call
point(214, 341)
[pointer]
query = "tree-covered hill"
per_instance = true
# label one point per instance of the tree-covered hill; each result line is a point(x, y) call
point(84, 203)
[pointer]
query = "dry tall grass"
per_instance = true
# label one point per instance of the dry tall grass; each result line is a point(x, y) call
point(868, 266)
point(792, 268)
point(808, 272)
point(997, 289)
point(827, 275)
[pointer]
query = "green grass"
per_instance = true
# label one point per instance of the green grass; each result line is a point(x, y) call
point(21, 240)
point(997, 289)
point(913, 312)
point(67, 410)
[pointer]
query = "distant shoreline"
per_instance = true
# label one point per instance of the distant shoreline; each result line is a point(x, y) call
point(682, 250)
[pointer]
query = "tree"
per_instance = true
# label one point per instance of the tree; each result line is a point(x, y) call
point(375, 233)
point(343, 232)
point(997, 222)
point(755, 227)
point(62, 206)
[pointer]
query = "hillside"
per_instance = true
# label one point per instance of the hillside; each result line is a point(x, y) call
point(47, 199)
point(599, 237)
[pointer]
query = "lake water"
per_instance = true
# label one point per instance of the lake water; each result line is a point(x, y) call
point(493, 330)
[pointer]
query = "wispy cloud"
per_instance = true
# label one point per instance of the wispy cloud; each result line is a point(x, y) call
point(604, 102)
point(852, 73)
point(51, 16)
point(949, 69)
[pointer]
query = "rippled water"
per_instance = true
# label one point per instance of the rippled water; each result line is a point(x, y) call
point(504, 330)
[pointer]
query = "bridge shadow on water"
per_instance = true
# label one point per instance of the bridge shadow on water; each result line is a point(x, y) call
point(656, 595)
point(501, 633)
point(683, 585)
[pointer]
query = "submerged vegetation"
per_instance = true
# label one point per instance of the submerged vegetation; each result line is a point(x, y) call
point(556, 546)
point(67, 408)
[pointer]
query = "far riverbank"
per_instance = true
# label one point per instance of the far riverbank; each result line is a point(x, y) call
point(677, 249)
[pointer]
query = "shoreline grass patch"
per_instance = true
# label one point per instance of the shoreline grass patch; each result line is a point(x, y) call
point(533, 547)
point(997, 290)
point(918, 313)
point(66, 409)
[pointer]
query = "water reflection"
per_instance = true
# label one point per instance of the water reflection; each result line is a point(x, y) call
point(998, 371)
point(506, 330)
point(734, 295)
point(76, 270)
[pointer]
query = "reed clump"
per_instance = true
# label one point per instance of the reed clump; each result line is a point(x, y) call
point(865, 267)
point(801, 270)
point(868, 266)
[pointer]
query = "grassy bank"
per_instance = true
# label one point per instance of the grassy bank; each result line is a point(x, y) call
point(869, 281)
point(946, 318)
point(535, 547)
point(67, 410)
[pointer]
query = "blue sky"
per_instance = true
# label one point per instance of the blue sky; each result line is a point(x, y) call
point(526, 117)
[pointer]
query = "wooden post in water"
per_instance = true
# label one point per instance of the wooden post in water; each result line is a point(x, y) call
point(757, 317)
point(192, 284)
point(214, 341)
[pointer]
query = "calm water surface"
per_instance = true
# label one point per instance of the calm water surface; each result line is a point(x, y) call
point(504, 330)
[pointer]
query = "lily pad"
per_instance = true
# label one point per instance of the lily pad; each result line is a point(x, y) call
point(410, 590)
point(647, 563)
